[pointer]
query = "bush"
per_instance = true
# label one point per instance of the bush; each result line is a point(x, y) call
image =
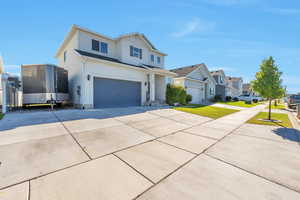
point(189, 98)
point(175, 94)
point(228, 98)
point(218, 98)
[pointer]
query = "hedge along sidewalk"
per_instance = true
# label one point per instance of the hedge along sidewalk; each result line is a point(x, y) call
point(206, 111)
point(284, 118)
point(1, 116)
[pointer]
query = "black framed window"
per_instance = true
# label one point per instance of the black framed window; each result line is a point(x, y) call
point(152, 58)
point(158, 60)
point(95, 45)
point(104, 47)
point(136, 52)
point(65, 56)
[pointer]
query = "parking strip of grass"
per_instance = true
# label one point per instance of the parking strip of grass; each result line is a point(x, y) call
point(279, 106)
point(206, 111)
point(239, 104)
point(284, 118)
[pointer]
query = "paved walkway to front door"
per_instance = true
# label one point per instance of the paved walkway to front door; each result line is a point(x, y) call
point(142, 153)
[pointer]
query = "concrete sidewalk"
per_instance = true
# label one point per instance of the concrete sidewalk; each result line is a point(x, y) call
point(146, 154)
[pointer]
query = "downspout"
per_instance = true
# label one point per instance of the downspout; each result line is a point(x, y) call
point(83, 89)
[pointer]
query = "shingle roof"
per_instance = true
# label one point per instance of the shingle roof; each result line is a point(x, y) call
point(93, 55)
point(183, 71)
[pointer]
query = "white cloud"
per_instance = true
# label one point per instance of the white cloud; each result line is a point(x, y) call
point(284, 11)
point(196, 25)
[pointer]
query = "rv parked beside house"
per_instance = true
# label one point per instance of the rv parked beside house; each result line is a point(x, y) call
point(221, 87)
point(112, 72)
point(197, 81)
point(235, 86)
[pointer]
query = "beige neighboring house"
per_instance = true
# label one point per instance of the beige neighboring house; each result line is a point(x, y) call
point(197, 81)
point(247, 90)
point(112, 72)
point(234, 86)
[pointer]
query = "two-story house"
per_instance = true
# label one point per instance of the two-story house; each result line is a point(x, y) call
point(234, 85)
point(197, 81)
point(221, 88)
point(112, 72)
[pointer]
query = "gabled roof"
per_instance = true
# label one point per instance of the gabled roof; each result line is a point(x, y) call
point(184, 71)
point(97, 56)
point(75, 28)
point(229, 78)
point(218, 72)
point(143, 66)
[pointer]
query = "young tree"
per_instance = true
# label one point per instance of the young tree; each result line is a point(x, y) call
point(268, 82)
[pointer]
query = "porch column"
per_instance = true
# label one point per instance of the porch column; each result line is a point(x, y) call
point(152, 86)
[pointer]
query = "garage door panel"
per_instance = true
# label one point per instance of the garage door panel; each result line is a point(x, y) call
point(197, 95)
point(116, 93)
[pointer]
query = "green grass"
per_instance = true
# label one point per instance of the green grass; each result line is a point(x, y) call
point(206, 111)
point(1, 116)
point(279, 106)
point(239, 104)
point(275, 116)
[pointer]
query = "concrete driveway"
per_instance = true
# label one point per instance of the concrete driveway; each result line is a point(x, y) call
point(145, 153)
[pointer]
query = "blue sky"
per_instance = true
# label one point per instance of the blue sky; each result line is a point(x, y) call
point(231, 34)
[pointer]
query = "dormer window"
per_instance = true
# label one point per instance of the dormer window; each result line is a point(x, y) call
point(135, 52)
point(152, 58)
point(158, 60)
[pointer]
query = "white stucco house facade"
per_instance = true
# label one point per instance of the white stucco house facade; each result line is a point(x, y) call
point(112, 72)
point(197, 81)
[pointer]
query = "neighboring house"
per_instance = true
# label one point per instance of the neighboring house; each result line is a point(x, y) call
point(247, 90)
point(221, 88)
point(112, 72)
point(234, 85)
point(197, 81)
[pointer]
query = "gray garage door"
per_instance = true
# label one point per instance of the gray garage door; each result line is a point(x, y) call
point(116, 93)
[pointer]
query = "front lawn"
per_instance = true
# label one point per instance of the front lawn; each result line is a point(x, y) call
point(279, 106)
point(275, 116)
point(239, 104)
point(1, 116)
point(206, 111)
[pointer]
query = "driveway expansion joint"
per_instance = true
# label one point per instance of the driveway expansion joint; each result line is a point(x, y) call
point(82, 148)
point(257, 175)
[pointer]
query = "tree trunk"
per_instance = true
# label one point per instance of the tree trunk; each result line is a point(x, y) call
point(270, 104)
point(275, 103)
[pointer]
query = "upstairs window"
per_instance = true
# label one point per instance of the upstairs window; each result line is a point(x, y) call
point(158, 60)
point(104, 47)
point(135, 52)
point(65, 56)
point(95, 45)
point(152, 58)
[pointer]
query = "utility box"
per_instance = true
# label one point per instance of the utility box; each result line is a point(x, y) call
point(44, 84)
